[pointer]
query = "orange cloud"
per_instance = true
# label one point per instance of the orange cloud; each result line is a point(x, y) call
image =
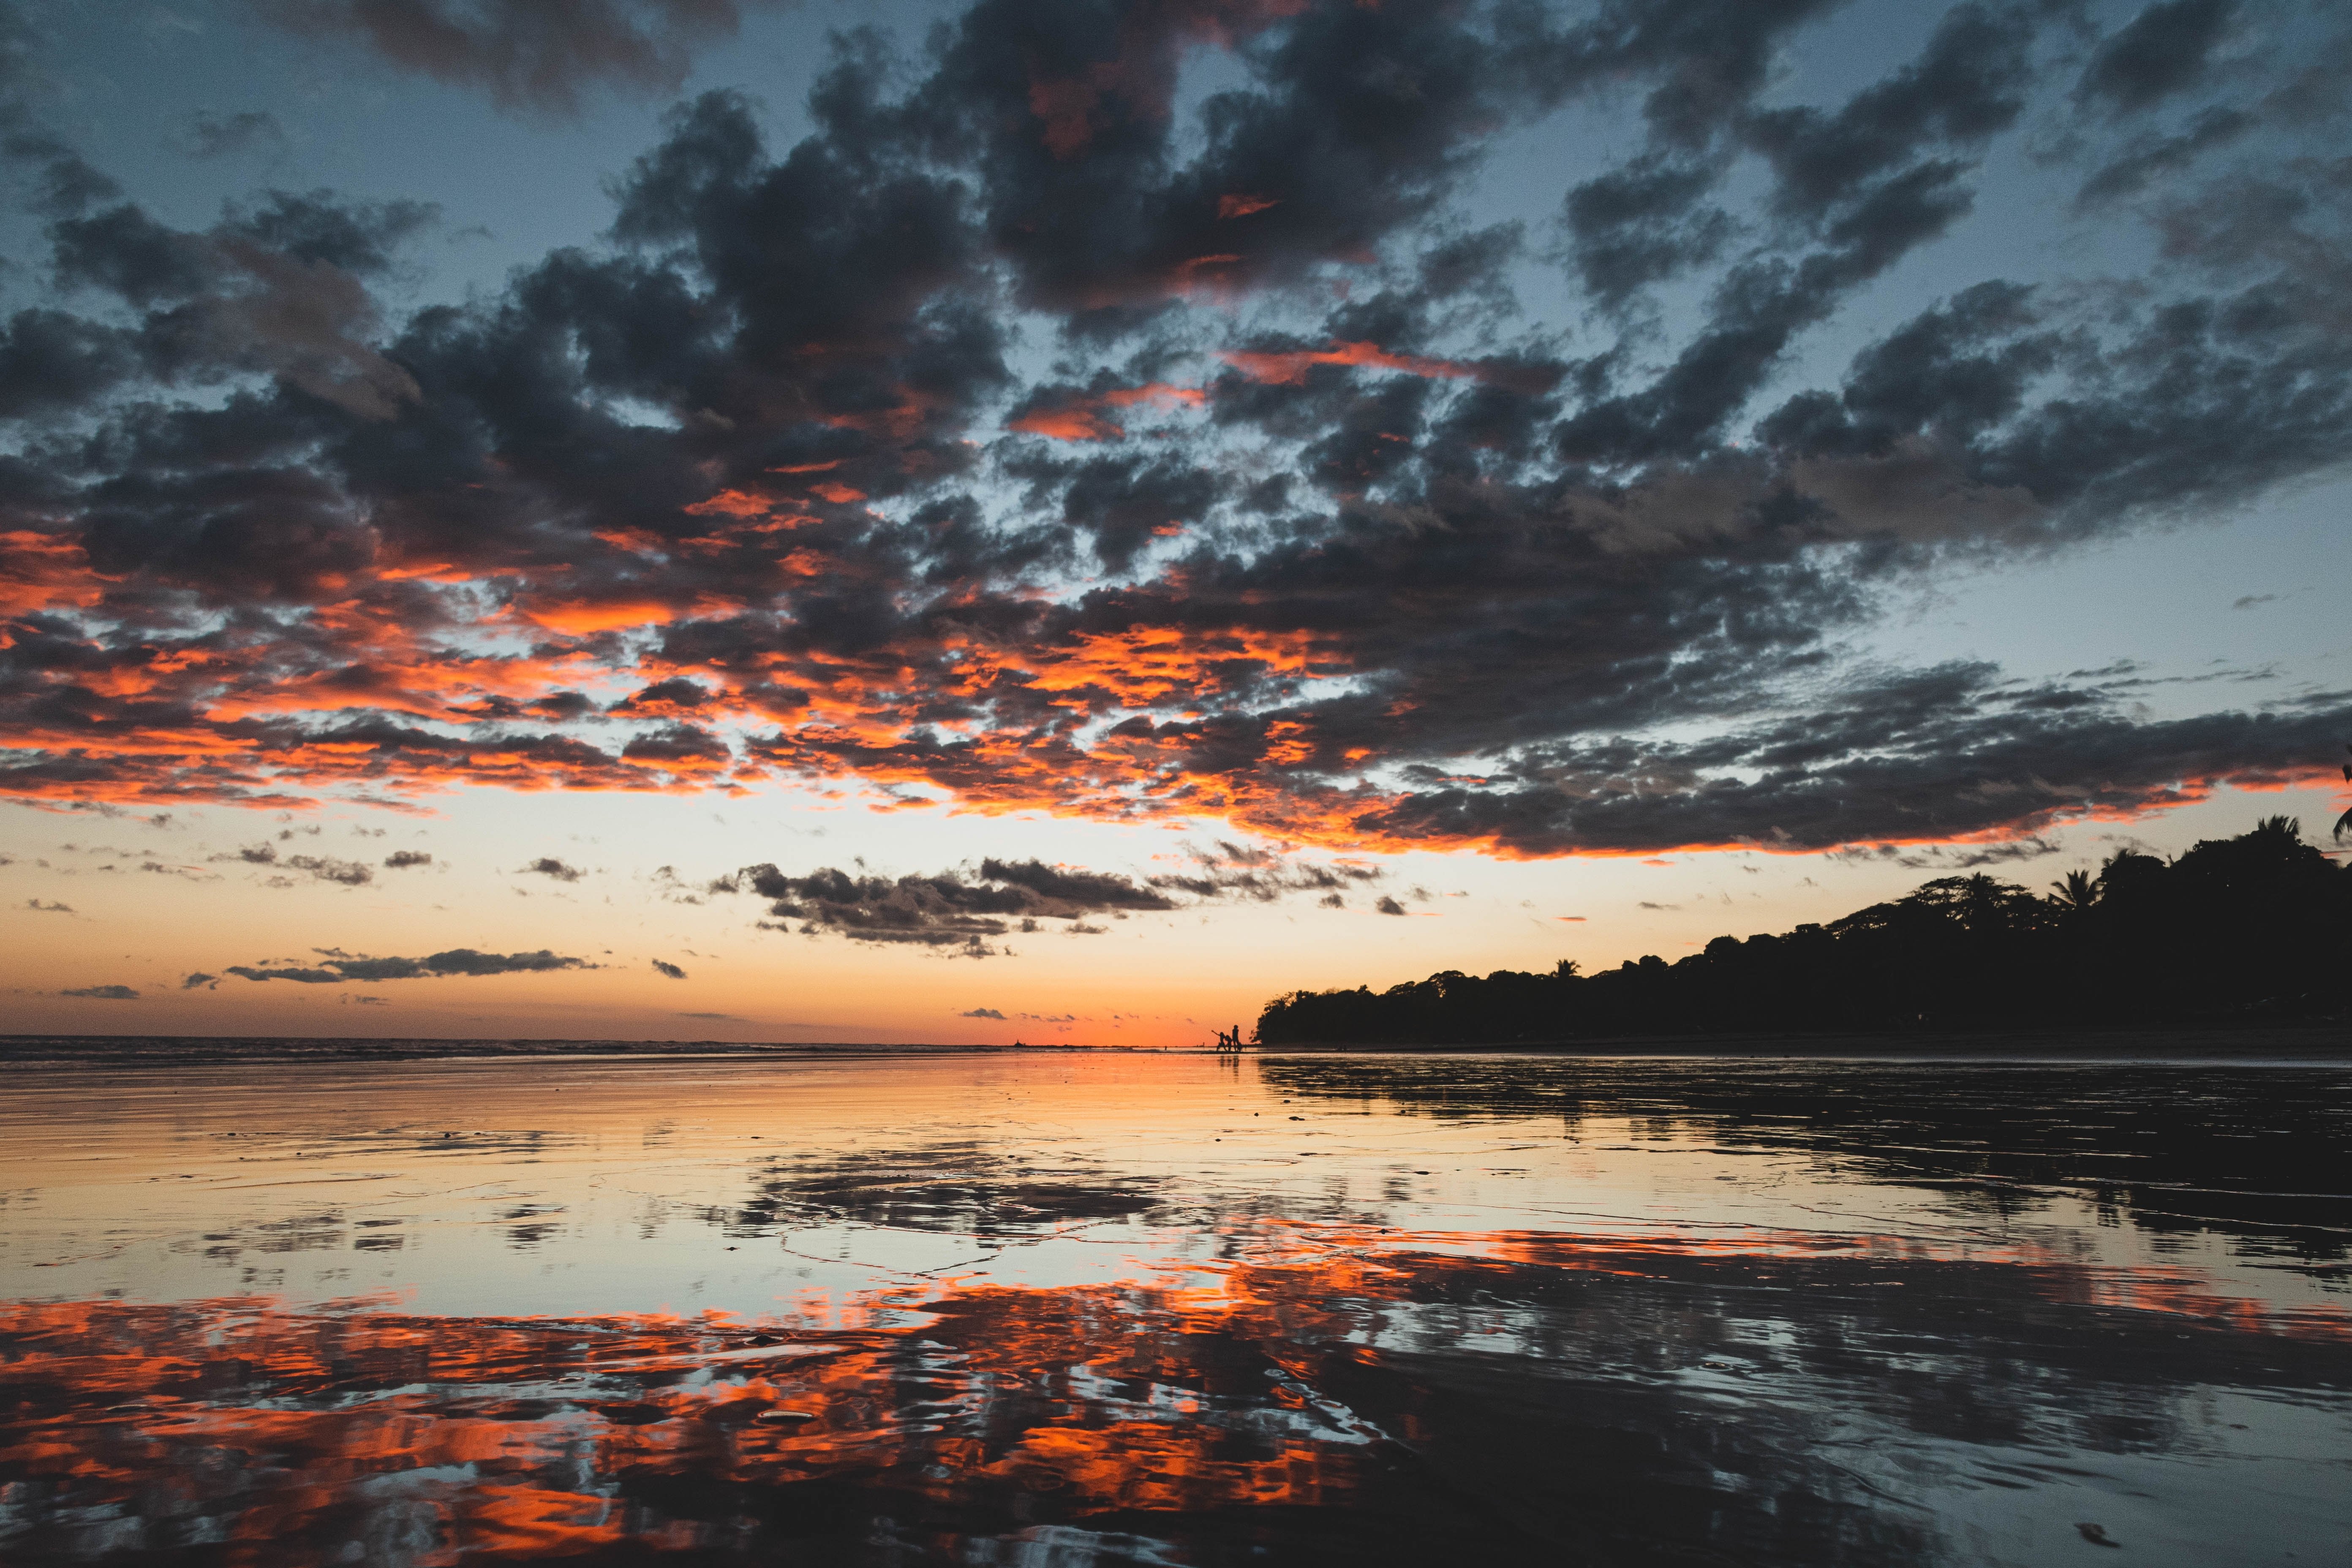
point(1082, 419)
point(583, 618)
point(730, 503)
point(1144, 666)
point(1291, 368)
point(1074, 423)
point(44, 572)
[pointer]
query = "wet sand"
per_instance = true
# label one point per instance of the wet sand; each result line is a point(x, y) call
point(1059, 1308)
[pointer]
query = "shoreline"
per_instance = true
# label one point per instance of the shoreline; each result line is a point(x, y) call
point(2330, 1039)
point(230, 1050)
point(2286, 1042)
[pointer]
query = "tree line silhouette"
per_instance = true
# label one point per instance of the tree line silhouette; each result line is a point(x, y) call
point(2255, 928)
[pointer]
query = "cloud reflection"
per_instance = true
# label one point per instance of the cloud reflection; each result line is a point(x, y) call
point(1360, 1399)
point(2265, 1157)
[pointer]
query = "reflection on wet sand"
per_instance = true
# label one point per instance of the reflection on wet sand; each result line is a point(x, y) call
point(1365, 1404)
point(1452, 1335)
point(964, 1188)
point(2174, 1146)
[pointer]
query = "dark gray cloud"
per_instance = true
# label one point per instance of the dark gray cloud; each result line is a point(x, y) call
point(1859, 187)
point(1641, 224)
point(671, 970)
point(2162, 51)
point(1350, 122)
point(2147, 160)
point(401, 859)
point(209, 135)
point(103, 993)
point(549, 867)
point(318, 868)
point(1704, 61)
point(278, 288)
point(950, 908)
point(1969, 82)
point(1228, 870)
point(1121, 503)
point(1945, 857)
point(55, 363)
point(1950, 753)
point(327, 869)
point(983, 1013)
point(336, 968)
point(526, 54)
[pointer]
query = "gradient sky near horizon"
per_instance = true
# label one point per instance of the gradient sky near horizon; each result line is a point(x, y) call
point(1062, 519)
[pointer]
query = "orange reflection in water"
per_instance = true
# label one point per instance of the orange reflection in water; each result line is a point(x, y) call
point(527, 1438)
point(1295, 1385)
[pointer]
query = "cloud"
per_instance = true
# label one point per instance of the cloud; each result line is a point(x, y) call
point(524, 54)
point(1388, 906)
point(548, 866)
point(1946, 755)
point(37, 906)
point(672, 970)
point(336, 969)
point(2162, 51)
point(1354, 120)
point(946, 909)
point(1091, 413)
point(104, 993)
point(1643, 224)
point(207, 135)
point(1119, 504)
point(200, 978)
point(401, 859)
point(318, 868)
point(1230, 870)
point(1032, 435)
point(281, 289)
point(983, 1013)
point(1945, 856)
point(2148, 159)
point(325, 868)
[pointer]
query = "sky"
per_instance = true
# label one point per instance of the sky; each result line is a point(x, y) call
point(1063, 520)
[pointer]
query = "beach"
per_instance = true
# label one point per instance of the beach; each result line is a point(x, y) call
point(1174, 1308)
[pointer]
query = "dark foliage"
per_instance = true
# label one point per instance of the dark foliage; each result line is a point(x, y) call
point(2259, 926)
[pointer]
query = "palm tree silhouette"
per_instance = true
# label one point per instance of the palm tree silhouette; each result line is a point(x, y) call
point(2078, 891)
